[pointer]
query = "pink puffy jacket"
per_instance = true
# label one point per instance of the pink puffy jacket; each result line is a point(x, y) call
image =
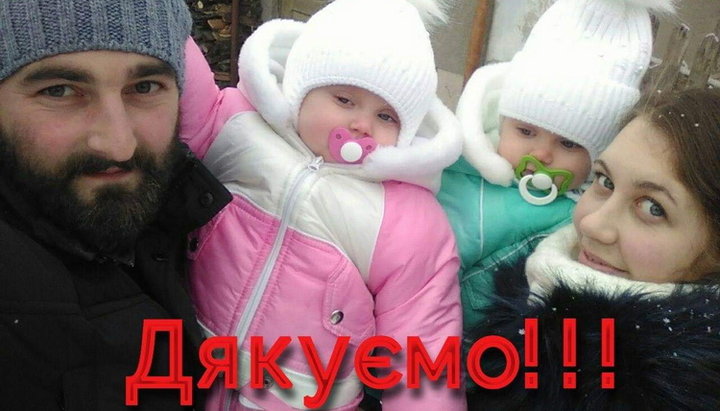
point(313, 249)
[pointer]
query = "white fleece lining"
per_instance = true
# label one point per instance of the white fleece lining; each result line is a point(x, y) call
point(478, 149)
point(554, 261)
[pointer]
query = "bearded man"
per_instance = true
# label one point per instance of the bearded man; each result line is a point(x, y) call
point(97, 196)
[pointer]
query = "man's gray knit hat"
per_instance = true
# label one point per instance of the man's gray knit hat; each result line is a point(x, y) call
point(31, 30)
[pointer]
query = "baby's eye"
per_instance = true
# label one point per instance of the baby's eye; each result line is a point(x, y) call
point(387, 117)
point(58, 91)
point(569, 144)
point(604, 181)
point(342, 100)
point(652, 208)
point(524, 131)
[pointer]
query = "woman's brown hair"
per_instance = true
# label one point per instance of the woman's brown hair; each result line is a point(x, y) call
point(690, 120)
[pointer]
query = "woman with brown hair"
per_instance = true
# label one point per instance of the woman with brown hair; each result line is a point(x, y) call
point(642, 250)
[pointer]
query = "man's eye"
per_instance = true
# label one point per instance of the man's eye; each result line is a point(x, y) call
point(145, 87)
point(57, 91)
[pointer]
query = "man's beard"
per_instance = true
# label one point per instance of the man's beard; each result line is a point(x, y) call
point(112, 220)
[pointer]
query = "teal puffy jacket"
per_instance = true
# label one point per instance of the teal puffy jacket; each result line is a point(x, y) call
point(493, 225)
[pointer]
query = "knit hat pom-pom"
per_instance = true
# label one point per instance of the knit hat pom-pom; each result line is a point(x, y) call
point(655, 6)
point(432, 12)
point(581, 68)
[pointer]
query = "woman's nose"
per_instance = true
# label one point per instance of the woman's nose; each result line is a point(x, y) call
point(599, 225)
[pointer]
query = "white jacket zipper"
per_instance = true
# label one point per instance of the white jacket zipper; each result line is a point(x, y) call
point(259, 289)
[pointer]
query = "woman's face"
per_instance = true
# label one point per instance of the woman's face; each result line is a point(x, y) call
point(637, 220)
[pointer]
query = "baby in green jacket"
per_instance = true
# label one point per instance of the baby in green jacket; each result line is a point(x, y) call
point(533, 126)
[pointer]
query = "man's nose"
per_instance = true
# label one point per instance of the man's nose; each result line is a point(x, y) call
point(111, 134)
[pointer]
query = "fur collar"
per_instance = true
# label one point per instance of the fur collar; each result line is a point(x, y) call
point(261, 66)
point(554, 261)
point(667, 346)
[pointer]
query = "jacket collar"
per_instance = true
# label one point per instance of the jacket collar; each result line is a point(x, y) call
point(554, 261)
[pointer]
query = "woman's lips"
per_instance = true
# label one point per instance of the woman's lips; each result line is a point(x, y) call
point(593, 261)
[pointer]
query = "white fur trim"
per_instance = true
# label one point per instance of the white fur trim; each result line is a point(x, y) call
point(260, 69)
point(422, 162)
point(554, 261)
point(478, 150)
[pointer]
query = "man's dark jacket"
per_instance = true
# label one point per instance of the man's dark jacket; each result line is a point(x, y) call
point(71, 319)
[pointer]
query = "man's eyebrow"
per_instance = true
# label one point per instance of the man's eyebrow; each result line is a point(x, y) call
point(58, 73)
point(151, 69)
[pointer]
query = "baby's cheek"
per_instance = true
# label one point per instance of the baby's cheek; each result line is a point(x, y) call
point(512, 150)
point(579, 179)
point(386, 140)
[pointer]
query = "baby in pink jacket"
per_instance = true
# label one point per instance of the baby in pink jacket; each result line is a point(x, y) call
point(333, 229)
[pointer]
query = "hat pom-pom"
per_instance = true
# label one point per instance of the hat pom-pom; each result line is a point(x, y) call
point(656, 6)
point(432, 12)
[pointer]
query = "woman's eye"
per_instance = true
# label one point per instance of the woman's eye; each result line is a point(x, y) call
point(604, 181)
point(57, 91)
point(387, 117)
point(569, 144)
point(145, 87)
point(651, 207)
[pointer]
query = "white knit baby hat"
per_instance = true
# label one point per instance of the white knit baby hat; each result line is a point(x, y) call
point(581, 67)
point(379, 45)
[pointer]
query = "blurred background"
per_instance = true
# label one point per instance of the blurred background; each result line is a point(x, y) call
point(479, 32)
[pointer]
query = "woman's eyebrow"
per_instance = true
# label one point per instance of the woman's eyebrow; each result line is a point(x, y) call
point(604, 166)
point(649, 185)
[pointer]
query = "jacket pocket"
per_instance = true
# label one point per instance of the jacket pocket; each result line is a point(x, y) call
point(348, 306)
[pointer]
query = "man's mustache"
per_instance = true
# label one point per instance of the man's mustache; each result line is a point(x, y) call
point(88, 164)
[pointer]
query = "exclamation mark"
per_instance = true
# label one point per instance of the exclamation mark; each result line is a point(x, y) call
point(607, 352)
point(531, 351)
point(569, 352)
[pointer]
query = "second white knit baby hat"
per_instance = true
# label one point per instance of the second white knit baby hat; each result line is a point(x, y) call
point(581, 67)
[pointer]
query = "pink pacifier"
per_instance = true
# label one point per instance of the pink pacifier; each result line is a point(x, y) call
point(347, 149)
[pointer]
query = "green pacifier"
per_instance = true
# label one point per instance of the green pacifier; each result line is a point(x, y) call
point(543, 179)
